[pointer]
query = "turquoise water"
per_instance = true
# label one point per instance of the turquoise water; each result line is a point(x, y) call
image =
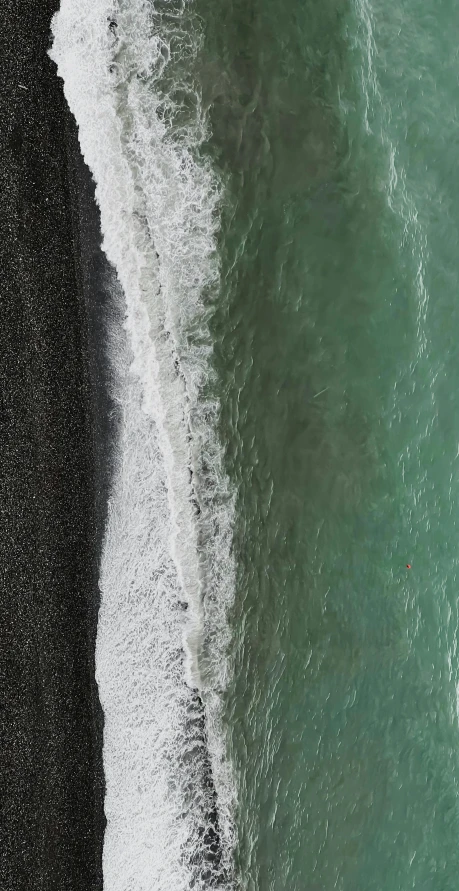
point(335, 128)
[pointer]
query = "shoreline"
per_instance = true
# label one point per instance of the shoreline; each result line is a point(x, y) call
point(56, 419)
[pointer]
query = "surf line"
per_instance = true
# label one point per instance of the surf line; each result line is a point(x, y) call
point(158, 210)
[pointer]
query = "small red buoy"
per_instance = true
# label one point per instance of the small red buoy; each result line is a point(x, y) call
point(408, 565)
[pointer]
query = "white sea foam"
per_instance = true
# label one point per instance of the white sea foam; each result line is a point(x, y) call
point(127, 71)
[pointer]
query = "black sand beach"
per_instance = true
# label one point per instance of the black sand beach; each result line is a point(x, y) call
point(54, 418)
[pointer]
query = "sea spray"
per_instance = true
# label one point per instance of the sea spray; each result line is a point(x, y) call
point(167, 575)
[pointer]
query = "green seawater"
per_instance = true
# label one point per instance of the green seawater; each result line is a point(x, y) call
point(335, 129)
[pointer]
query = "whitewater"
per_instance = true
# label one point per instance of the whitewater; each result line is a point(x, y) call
point(167, 573)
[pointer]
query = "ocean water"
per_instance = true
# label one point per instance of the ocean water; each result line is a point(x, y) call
point(277, 647)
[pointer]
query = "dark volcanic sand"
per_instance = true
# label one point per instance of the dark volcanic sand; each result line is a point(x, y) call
point(53, 422)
